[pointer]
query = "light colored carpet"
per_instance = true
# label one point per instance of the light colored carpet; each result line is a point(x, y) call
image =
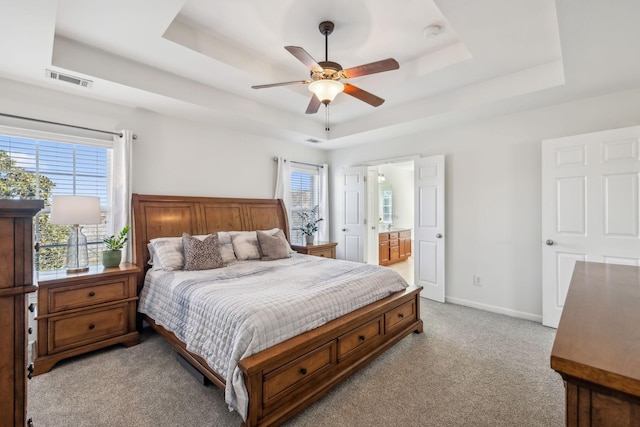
point(468, 368)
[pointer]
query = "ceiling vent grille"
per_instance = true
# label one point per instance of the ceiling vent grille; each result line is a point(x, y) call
point(313, 141)
point(69, 79)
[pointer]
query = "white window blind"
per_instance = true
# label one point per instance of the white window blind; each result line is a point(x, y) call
point(38, 168)
point(304, 196)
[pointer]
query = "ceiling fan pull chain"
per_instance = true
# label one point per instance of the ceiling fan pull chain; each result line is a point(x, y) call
point(326, 126)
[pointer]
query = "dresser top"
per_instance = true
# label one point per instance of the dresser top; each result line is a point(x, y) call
point(598, 338)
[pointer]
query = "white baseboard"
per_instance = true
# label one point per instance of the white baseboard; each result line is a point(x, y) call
point(495, 309)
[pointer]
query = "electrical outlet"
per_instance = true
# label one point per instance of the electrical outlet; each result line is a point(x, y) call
point(476, 280)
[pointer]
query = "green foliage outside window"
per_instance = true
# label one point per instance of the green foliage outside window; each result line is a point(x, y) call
point(18, 183)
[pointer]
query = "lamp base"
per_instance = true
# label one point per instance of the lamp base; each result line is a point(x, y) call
point(77, 253)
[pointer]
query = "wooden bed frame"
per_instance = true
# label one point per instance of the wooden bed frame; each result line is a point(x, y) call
point(288, 377)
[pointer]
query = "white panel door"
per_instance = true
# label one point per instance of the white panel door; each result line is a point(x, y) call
point(429, 237)
point(353, 236)
point(590, 197)
point(372, 254)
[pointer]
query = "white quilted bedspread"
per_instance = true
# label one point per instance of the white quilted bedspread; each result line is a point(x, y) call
point(227, 314)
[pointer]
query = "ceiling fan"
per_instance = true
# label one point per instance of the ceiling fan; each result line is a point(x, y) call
point(325, 76)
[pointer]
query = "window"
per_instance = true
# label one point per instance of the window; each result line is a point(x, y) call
point(305, 196)
point(37, 166)
point(386, 199)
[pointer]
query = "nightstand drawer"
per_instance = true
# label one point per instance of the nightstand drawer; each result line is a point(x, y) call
point(327, 253)
point(321, 249)
point(66, 298)
point(86, 327)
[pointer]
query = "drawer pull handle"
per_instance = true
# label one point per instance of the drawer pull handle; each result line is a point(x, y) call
point(400, 315)
point(32, 307)
point(91, 326)
point(30, 330)
point(92, 294)
point(362, 338)
point(303, 371)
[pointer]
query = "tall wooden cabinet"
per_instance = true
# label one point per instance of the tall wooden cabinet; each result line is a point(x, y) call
point(16, 280)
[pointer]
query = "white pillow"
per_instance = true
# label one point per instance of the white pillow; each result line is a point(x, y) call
point(226, 247)
point(245, 245)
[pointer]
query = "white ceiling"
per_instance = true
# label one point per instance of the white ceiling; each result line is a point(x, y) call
point(199, 58)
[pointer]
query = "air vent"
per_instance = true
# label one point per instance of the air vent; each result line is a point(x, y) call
point(314, 141)
point(69, 79)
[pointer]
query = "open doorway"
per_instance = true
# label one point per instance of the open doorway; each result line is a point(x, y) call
point(390, 203)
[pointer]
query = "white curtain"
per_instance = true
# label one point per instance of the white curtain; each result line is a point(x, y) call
point(283, 184)
point(120, 195)
point(323, 203)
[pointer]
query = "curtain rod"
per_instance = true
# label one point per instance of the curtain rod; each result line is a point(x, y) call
point(65, 124)
point(275, 159)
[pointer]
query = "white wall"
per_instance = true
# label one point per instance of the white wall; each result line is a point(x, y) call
point(493, 211)
point(171, 156)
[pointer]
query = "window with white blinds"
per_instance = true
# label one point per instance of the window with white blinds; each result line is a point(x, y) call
point(36, 168)
point(305, 195)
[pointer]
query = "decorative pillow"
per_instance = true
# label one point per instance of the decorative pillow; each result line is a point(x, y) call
point(226, 247)
point(245, 245)
point(201, 254)
point(273, 247)
point(167, 252)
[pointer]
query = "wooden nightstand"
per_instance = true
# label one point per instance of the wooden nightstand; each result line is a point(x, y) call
point(323, 249)
point(82, 312)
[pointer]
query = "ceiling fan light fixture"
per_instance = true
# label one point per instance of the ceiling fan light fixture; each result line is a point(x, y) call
point(326, 90)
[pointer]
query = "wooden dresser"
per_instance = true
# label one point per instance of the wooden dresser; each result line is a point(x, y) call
point(16, 280)
point(82, 312)
point(323, 249)
point(597, 346)
point(394, 246)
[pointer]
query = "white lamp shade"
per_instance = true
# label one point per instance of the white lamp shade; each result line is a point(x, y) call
point(71, 210)
point(326, 90)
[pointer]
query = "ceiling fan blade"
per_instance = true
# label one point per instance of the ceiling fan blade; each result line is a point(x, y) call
point(281, 84)
point(363, 95)
point(372, 68)
point(314, 104)
point(304, 57)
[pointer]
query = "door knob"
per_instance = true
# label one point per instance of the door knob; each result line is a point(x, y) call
point(549, 242)
point(439, 236)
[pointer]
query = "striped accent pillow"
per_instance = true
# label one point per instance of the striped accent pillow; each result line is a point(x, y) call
point(168, 252)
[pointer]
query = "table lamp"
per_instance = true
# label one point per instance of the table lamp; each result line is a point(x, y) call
point(76, 210)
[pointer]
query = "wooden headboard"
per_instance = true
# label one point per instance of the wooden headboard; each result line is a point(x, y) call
point(170, 216)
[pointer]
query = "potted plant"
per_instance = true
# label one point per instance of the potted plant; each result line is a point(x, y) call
point(112, 255)
point(310, 222)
